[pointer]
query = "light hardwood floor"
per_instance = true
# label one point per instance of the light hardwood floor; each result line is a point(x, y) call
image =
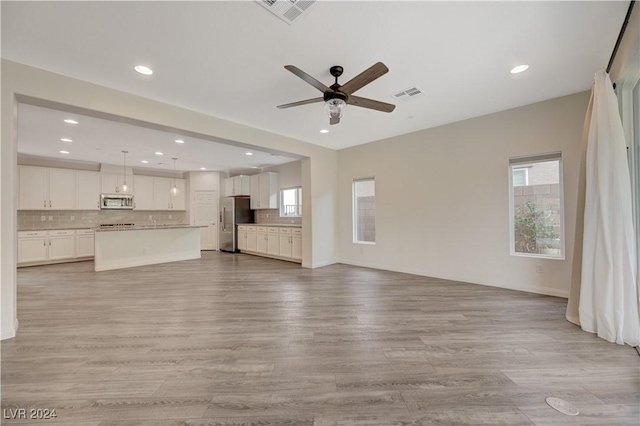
point(242, 340)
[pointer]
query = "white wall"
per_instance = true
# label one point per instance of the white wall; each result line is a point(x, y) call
point(289, 174)
point(319, 170)
point(442, 196)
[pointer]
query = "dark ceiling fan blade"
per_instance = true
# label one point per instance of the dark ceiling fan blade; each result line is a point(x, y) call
point(308, 101)
point(333, 121)
point(306, 77)
point(370, 103)
point(364, 78)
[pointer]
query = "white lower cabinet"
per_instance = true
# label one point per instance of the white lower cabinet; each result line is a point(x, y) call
point(62, 245)
point(242, 237)
point(252, 239)
point(280, 242)
point(42, 247)
point(85, 243)
point(285, 242)
point(296, 244)
point(273, 242)
point(32, 246)
point(261, 245)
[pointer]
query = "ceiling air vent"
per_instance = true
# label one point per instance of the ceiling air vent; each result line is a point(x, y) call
point(287, 10)
point(408, 94)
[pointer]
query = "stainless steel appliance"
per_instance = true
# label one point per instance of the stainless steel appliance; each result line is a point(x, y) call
point(234, 210)
point(116, 201)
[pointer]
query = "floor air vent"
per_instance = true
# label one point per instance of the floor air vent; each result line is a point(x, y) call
point(287, 10)
point(408, 94)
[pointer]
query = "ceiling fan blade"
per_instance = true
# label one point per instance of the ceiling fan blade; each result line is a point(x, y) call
point(306, 77)
point(308, 101)
point(364, 78)
point(333, 121)
point(370, 103)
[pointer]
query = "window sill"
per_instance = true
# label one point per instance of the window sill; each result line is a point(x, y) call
point(368, 243)
point(538, 256)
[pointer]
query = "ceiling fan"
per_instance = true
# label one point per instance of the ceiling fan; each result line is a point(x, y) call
point(338, 96)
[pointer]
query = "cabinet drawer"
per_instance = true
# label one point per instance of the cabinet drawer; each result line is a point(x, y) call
point(296, 231)
point(262, 229)
point(285, 231)
point(28, 234)
point(251, 229)
point(272, 230)
point(84, 231)
point(63, 232)
point(242, 227)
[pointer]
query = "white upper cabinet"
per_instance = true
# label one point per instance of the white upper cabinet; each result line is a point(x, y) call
point(62, 189)
point(41, 188)
point(162, 197)
point(112, 183)
point(179, 201)
point(228, 187)
point(33, 193)
point(264, 191)
point(255, 192)
point(143, 192)
point(237, 186)
point(88, 185)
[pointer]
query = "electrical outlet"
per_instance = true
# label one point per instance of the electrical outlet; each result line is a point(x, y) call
point(50, 217)
point(43, 218)
point(150, 217)
point(170, 216)
point(267, 215)
point(72, 218)
point(540, 269)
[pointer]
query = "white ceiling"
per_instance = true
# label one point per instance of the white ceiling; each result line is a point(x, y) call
point(40, 131)
point(226, 58)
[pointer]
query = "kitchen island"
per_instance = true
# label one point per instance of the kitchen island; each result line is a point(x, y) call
point(125, 247)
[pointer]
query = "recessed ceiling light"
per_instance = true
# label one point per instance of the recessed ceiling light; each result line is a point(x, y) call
point(248, 153)
point(179, 141)
point(64, 152)
point(254, 167)
point(66, 140)
point(324, 131)
point(143, 70)
point(70, 121)
point(519, 69)
point(159, 153)
point(144, 161)
point(203, 168)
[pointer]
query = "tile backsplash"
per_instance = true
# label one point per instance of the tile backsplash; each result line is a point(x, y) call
point(273, 216)
point(61, 219)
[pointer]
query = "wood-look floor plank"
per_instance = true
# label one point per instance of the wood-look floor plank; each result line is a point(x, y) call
point(241, 340)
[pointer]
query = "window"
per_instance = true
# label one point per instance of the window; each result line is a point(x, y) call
point(291, 202)
point(536, 206)
point(520, 177)
point(364, 211)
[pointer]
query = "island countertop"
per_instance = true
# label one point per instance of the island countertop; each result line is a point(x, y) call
point(273, 225)
point(146, 227)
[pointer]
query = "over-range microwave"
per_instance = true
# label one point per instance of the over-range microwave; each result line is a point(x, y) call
point(116, 201)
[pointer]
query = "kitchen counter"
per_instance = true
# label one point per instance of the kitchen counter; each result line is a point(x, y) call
point(284, 225)
point(71, 228)
point(146, 227)
point(121, 247)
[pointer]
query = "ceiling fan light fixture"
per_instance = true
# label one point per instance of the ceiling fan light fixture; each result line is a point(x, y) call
point(518, 69)
point(335, 107)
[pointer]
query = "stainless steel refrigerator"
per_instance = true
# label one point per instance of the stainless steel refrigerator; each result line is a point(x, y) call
point(234, 210)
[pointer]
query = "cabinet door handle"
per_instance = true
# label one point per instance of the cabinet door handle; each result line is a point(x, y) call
point(44, 243)
point(98, 204)
point(45, 203)
point(49, 242)
point(49, 203)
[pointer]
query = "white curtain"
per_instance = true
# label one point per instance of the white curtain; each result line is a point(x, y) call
point(604, 296)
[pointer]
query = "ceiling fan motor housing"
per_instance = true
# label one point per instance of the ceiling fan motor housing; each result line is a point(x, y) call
point(335, 95)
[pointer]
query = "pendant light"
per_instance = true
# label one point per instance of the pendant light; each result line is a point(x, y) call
point(174, 189)
point(124, 186)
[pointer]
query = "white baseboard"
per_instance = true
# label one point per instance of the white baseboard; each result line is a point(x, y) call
point(547, 291)
point(9, 334)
